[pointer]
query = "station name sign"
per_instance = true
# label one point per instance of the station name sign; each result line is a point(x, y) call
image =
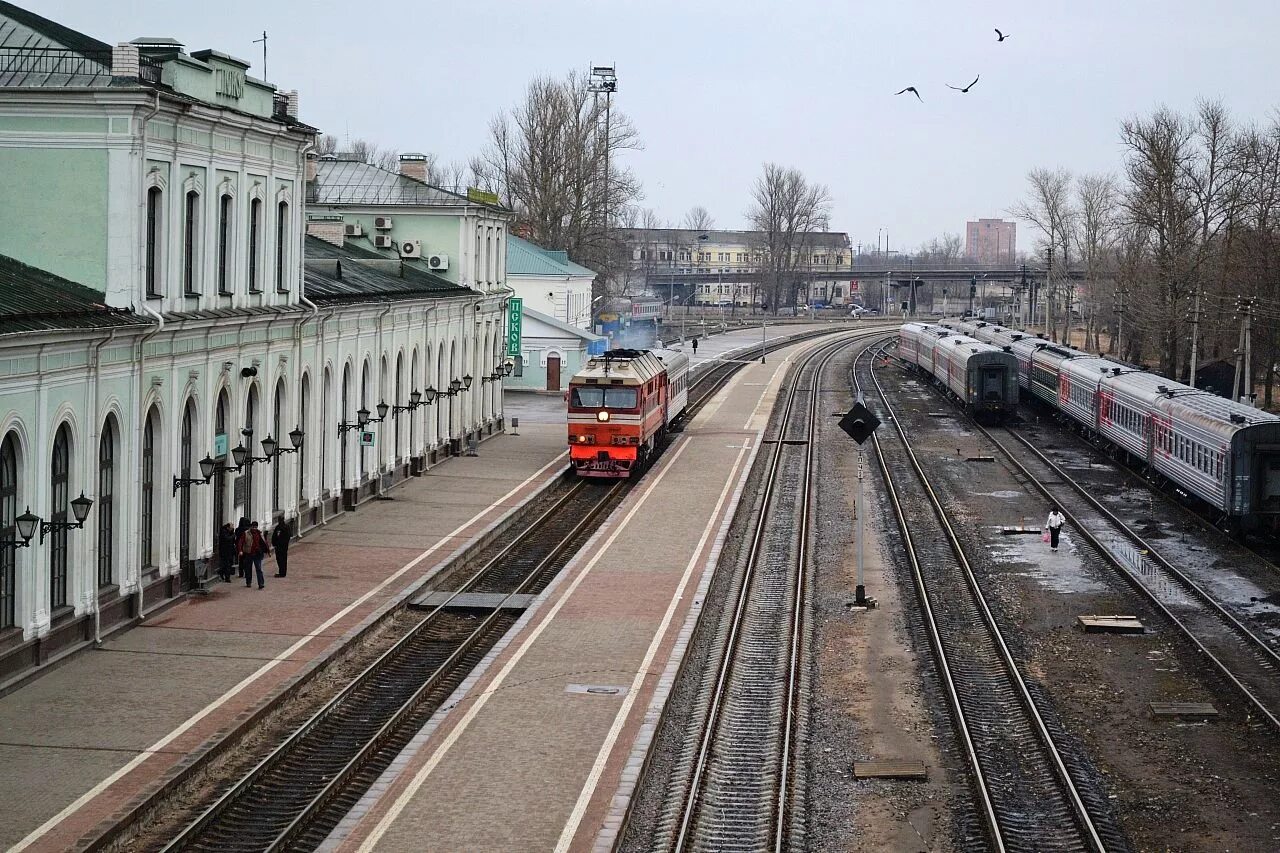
point(229, 81)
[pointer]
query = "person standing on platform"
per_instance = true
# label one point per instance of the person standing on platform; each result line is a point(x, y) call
point(1054, 523)
point(243, 561)
point(695, 346)
point(226, 551)
point(280, 538)
point(254, 546)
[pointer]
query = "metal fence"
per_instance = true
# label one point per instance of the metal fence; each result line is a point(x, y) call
point(48, 66)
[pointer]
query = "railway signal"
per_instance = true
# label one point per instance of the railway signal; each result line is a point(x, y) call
point(859, 423)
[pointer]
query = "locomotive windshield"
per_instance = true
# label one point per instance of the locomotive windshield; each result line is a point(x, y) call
point(595, 397)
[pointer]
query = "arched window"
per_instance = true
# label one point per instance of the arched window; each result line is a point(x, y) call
point(148, 505)
point(155, 234)
point(346, 413)
point(364, 404)
point(250, 436)
point(304, 423)
point(226, 211)
point(413, 415)
point(326, 408)
point(106, 503)
point(282, 247)
point(255, 245)
point(59, 503)
point(398, 400)
point(222, 447)
point(277, 432)
point(191, 244)
point(186, 442)
point(8, 528)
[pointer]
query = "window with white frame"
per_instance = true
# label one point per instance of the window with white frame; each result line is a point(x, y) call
point(255, 245)
point(226, 215)
point(155, 242)
point(282, 246)
point(191, 243)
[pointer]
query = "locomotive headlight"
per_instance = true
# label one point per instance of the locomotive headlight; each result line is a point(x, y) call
point(602, 416)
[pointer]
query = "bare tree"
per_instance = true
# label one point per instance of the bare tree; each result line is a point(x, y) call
point(699, 219)
point(1098, 205)
point(362, 150)
point(787, 211)
point(1049, 210)
point(546, 160)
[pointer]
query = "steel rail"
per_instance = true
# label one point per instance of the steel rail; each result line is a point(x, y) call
point(989, 806)
point(192, 832)
point(691, 801)
point(1251, 640)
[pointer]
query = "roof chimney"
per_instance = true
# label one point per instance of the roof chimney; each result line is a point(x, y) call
point(414, 166)
point(125, 61)
point(330, 229)
point(292, 100)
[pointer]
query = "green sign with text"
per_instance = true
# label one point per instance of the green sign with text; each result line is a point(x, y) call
point(515, 321)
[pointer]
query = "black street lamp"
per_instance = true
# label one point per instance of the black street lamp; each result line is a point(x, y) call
point(272, 448)
point(207, 468)
point(79, 510)
point(507, 367)
point(455, 385)
point(27, 524)
point(466, 382)
point(415, 400)
point(431, 394)
point(362, 418)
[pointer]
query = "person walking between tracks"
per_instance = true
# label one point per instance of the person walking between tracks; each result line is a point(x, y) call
point(695, 346)
point(1054, 524)
point(254, 546)
point(243, 561)
point(280, 536)
point(226, 551)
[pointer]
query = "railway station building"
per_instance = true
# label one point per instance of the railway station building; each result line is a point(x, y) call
point(184, 341)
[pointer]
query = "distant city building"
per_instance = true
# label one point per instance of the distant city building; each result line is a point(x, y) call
point(991, 241)
point(735, 259)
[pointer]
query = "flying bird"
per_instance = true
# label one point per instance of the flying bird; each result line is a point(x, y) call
point(1000, 36)
point(966, 88)
point(912, 90)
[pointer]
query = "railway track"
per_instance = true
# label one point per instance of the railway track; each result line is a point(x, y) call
point(739, 790)
point(294, 796)
point(1032, 795)
point(1245, 658)
point(297, 793)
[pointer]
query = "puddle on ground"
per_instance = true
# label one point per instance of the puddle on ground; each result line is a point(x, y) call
point(1059, 571)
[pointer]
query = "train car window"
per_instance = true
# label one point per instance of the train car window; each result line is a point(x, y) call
point(587, 397)
point(620, 398)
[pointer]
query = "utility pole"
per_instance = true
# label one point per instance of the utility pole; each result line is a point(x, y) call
point(264, 53)
point(1120, 295)
point(1248, 349)
point(1048, 297)
point(1195, 335)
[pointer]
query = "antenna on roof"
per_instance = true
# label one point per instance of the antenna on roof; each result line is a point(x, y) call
point(264, 53)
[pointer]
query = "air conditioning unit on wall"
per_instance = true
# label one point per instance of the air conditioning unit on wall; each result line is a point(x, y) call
point(438, 262)
point(353, 229)
point(382, 223)
point(382, 241)
point(410, 248)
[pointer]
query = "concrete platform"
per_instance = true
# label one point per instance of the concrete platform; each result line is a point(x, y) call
point(541, 747)
point(84, 741)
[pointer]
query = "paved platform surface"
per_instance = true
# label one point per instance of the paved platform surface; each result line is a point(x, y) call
point(86, 739)
point(539, 749)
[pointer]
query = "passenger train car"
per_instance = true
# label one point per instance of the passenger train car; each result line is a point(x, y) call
point(621, 405)
point(983, 377)
point(1224, 453)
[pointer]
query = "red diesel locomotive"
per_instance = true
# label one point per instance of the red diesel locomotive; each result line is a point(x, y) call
point(621, 405)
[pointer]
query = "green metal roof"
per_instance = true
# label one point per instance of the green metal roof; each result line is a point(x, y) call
point(354, 274)
point(33, 300)
point(525, 258)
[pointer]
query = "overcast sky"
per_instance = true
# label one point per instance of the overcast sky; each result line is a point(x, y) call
point(717, 88)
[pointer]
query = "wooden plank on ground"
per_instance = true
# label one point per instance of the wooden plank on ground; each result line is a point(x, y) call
point(889, 769)
point(1111, 624)
point(1183, 710)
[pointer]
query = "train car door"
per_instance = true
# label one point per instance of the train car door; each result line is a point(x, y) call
point(993, 379)
point(1269, 482)
point(553, 373)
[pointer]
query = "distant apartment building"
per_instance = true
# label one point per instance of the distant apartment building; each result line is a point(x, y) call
point(991, 241)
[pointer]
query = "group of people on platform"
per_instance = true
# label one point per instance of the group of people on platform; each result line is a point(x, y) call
point(245, 546)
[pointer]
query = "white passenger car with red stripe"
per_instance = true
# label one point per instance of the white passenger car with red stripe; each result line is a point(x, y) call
point(621, 406)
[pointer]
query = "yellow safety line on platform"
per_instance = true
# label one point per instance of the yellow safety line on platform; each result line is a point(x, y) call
point(494, 688)
point(606, 749)
point(159, 745)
